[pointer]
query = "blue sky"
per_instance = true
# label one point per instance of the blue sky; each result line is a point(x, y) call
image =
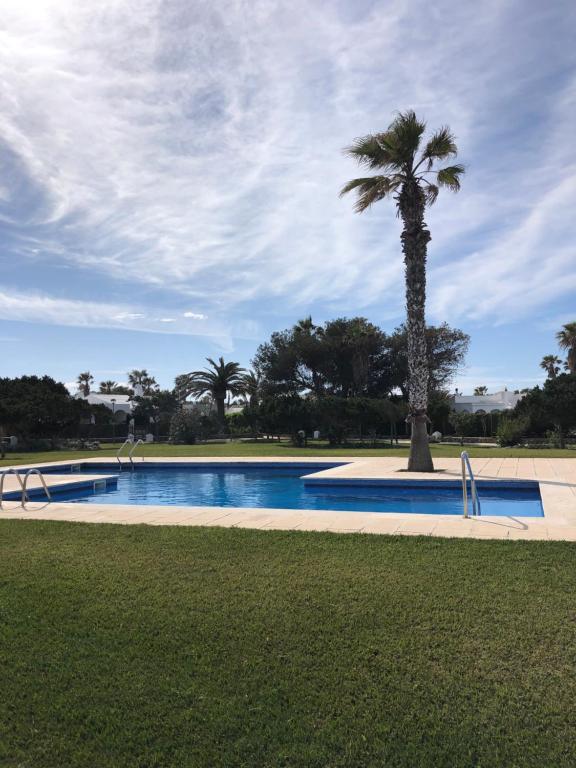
point(169, 177)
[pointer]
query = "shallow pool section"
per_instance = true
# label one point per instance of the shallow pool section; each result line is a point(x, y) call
point(291, 487)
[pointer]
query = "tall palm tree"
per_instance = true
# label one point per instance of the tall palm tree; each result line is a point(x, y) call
point(84, 381)
point(107, 387)
point(142, 380)
point(408, 175)
point(567, 340)
point(479, 391)
point(551, 364)
point(215, 381)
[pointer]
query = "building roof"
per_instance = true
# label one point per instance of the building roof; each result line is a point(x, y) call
point(122, 402)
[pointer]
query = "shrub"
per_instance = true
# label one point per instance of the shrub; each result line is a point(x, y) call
point(188, 425)
point(511, 431)
point(238, 425)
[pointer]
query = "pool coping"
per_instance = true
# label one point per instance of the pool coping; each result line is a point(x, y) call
point(556, 479)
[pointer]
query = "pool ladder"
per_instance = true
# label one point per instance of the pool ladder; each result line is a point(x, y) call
point(23, 483)
point(467, 470)
point(130, 452)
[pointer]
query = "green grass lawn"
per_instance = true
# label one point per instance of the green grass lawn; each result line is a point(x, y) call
point(161, 647)
point(282, 449)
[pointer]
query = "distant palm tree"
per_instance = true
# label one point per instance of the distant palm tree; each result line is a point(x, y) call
point(551, 364)
point(217, 381)
point(107, 387)
point(84, 381)
point(567, 340)
point(252, 387)
point(143, 380)
point(405, 166)
point(479, 391)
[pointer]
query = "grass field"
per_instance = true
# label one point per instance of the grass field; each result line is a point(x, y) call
point(165, 647)
point(282, 449)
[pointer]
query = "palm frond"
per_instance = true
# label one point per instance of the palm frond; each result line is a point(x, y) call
point(364, 182)
point(440, 146)
point(404, 136)
point(450, 177)
point(370, 190)
point(371, 152)
point(431, 193)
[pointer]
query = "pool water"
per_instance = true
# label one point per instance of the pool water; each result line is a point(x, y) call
point(282, 487)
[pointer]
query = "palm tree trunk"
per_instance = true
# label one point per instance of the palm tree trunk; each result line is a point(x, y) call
point(415, 238)
point(221, 410)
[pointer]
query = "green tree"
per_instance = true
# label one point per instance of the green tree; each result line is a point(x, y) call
point(551, 364)
point(36, 407)
point(351, 357)
point(464, 423)
point(406, 167)
point(216, 381)
point(446, 350)
point(141, 380)
point(480, 391)
point(156, 409)
point(345, 357)
point(553, 405)
point(85, 381)
point(107, 387)
point(567, 341)
point(252, 387)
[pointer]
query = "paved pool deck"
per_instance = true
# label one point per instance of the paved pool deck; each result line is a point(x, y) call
point(556, 477)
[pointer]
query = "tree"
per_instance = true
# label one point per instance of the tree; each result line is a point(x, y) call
point(38, 407)
point(446, 350)
point(405, 166)
point(560, 403)
point(551, 364)
point(552, 405)
point(252, 387)
point(156, 409)
point(107, 387)
point(351, 357)
point(463, 423)
point(84, 381)
point(141, 382)
point(344, 357)
point(480, 391)
point(215, 381)
point(567, 340)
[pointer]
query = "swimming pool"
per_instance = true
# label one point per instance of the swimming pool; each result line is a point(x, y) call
point(282, 486)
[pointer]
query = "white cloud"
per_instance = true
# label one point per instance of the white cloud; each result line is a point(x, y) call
point(196, 147)
point(41, 308)
point(194, 315)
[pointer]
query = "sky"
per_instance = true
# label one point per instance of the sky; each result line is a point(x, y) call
point(170, 170)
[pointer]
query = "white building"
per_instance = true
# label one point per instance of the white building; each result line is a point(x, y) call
point(498, 402)
point(118, 404)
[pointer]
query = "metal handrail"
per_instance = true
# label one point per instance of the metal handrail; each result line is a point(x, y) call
point(3, 474)
point(119, 451)
point(466, 466)
point(34, 471)
point(136, 444)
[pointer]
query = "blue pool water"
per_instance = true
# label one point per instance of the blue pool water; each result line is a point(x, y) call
point(283, 487)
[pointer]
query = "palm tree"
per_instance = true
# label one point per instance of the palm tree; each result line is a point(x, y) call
point(215, 381)
point(252, 387)
point(567, 340)
point(406, 169)
point(143, 381)
point(478, 391)
point(107, 387)
point(84, 381)
point(551, 364)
